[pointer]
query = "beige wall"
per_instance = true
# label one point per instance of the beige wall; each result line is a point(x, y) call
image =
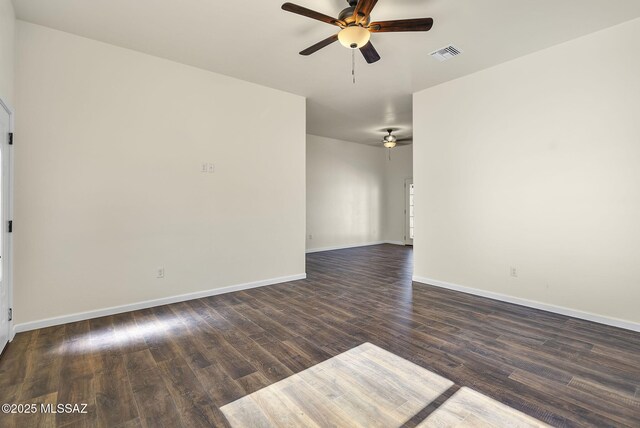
point(535, 164)
point(397, 170)
point(7, 31)
point(345, 192)
point(109, 184)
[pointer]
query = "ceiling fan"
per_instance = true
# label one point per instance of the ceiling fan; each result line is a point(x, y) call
point(390, 140)
point(356, 27)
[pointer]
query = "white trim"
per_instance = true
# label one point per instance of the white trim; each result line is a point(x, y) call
point(615, 322)
point(8, 274)
point(33, 325)
point(344, 247)
point(407, 238)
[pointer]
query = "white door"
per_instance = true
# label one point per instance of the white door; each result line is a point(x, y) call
point(408, 211)
point(5, 283)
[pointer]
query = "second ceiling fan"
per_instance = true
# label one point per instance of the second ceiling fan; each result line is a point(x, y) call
point(390, 140)
point(356, 27)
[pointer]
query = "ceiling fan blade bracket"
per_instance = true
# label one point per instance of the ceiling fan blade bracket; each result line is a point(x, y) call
point(363, 9)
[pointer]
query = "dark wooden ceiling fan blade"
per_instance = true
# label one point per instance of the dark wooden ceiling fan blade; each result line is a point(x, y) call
point(416, 24)
point(363, 9)
point(319, 45)
point(370, 53)
point(294, 8)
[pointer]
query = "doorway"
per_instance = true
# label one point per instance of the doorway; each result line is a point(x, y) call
point(6, 141)
point(408, 211)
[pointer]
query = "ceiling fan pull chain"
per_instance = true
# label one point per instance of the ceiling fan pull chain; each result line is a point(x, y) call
point(353, 65)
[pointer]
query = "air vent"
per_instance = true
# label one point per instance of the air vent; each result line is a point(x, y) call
point(446, 53)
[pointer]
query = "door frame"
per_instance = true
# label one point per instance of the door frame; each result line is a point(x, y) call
point(407, 237)
point(8, 241)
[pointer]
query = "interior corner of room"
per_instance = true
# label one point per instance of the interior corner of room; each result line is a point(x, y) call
point(355, 194)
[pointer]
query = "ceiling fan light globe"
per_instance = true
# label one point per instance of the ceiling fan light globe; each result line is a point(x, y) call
point(354, 37)
point(389, 144)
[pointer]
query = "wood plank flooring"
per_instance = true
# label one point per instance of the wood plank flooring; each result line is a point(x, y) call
point(470, 409)
point(177, 365)
point(364, 387)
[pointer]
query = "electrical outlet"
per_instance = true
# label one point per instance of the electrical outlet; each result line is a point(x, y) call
point(208, 167)
point(310, 237)
point(514, 272)
point(160, 272)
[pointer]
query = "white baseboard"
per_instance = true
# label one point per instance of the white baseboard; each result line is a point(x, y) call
point(615, 322)
point(49, 322)
point(344, 247)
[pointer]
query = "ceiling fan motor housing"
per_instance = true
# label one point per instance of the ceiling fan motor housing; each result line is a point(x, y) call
point(389, 138)
point(347, 16)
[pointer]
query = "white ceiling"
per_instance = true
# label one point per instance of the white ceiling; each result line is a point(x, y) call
point(258, 42)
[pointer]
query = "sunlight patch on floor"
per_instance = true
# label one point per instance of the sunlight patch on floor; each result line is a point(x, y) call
point(123, 335)
point(369, 387)
point(365, 386)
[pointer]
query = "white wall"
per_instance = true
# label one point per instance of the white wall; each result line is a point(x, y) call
point(355, 194)
point(397, 170)
point(108, 180)
point(7, 39)
point(535, 164)
point(345, 190)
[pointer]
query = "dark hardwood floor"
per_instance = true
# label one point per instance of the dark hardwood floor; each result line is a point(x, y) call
point(176, 365)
